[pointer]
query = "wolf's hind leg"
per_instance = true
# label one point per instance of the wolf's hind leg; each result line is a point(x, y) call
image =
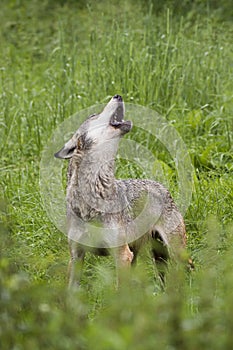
point(160, 254)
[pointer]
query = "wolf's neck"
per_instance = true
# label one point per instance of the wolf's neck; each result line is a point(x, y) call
point(98, 177)
point(94, 174)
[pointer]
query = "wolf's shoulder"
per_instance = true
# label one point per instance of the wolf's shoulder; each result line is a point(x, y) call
point(141, 184)
point(135, 187)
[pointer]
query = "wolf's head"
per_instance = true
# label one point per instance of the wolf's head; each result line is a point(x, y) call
point(99, 129)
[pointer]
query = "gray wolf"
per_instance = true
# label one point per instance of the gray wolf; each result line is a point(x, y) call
point(105, 214)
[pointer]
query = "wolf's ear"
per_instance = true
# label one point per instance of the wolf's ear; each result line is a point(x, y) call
point(67, 151)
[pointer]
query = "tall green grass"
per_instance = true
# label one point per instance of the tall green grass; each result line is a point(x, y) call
point(60, 57)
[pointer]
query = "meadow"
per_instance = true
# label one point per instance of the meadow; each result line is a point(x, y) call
point(60, 57)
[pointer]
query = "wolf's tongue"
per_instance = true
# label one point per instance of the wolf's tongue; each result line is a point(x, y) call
point(116, 124)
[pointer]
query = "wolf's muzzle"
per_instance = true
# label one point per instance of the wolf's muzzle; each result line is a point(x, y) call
point(118, 98)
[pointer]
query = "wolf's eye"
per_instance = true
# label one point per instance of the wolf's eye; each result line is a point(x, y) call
point(92, 115)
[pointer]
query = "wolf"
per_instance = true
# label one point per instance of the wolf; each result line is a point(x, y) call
point(109, 215)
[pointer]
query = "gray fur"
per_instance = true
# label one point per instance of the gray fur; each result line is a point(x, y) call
point(125, 213)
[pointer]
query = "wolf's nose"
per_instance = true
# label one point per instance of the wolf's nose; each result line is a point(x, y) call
point(118, 98)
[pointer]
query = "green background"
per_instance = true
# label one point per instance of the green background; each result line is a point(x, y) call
point(58, 57)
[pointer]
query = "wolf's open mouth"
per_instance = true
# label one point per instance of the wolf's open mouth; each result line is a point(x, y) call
point(117, 117)
point(117, 120)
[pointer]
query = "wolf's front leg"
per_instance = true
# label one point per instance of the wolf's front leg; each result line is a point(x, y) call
point(123, 258)
point(77, 255)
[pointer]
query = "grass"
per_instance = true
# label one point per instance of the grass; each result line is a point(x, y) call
point(58, 58)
